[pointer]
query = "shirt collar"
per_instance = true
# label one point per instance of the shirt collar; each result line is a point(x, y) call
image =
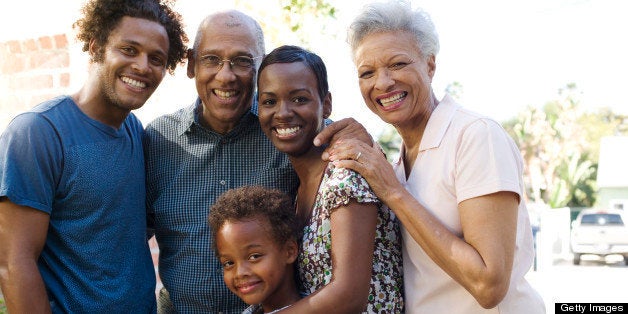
point(187, 117)
point(438, 123)
point(191, 117)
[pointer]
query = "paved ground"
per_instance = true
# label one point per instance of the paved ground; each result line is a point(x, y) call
point(593, 281)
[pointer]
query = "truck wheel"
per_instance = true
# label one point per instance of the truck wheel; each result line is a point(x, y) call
point(576, 258)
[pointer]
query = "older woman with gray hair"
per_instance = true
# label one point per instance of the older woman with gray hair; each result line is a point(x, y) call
point(457, 187)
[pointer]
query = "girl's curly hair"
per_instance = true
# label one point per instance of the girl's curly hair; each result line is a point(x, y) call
point(254, 202)
point(100, 17)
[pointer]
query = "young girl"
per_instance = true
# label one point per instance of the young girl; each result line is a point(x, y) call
point(255, 237)
point(344, 224)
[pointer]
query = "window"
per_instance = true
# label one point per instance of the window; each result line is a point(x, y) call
point(602, 220)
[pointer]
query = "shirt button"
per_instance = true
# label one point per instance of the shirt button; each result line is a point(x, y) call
point(223, 182)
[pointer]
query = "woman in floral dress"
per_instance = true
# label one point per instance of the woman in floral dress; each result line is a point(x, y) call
point(350, 259)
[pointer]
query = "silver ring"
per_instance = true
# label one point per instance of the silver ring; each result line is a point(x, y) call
point(357, 157)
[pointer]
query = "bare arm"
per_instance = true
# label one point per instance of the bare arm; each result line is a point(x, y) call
point(22, 236)
point(479, 262)
point(353, 237)
point(482, 261)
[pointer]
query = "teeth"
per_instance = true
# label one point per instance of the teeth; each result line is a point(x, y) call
point(390, 100)
point(133, 82)
point(223, 94)
point(288, 131)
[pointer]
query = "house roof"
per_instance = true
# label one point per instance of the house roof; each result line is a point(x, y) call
point(613, 163)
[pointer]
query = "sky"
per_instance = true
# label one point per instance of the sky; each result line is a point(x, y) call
point(506, 54)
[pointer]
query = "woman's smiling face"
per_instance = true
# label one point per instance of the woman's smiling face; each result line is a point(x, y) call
point(394, 78)
point(291, 112)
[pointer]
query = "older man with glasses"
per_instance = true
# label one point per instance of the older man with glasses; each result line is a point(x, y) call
point(201, 151)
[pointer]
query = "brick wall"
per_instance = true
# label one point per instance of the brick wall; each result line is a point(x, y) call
point(31, 71)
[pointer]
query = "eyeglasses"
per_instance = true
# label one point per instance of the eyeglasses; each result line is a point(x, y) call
point(239, 65)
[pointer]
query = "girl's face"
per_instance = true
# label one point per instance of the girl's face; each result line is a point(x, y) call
point(291, 112)
point(255, 267)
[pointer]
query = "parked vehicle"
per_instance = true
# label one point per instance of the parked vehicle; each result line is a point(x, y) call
point(599, 232)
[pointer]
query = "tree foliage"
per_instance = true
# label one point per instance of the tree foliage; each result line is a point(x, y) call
point(298, 22)
point(295, 10)
point(390, 142)
point(560, 147)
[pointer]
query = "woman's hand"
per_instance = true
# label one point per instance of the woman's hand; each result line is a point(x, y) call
point(370, 162)
point(342, 130)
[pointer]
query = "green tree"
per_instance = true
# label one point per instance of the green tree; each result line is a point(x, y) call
point(390, 141)
point(297, 22)
point(560, 147)
point(295, 10)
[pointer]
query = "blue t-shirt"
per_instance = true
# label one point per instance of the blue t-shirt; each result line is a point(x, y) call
point(90, 178)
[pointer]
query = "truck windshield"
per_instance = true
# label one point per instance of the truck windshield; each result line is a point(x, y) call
point(602, 219)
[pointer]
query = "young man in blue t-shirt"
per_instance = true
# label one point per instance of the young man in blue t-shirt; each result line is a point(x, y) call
point(72, 179)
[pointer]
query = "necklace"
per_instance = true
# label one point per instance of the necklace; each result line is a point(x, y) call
point(277, 310)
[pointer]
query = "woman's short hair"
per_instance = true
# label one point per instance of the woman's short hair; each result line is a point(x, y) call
point(394, 15)
point(291, 54)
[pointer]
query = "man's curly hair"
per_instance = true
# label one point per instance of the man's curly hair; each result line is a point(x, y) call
point(100, 17)
point(256, 202)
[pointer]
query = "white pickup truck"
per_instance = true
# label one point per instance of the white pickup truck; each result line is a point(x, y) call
point(600, 232)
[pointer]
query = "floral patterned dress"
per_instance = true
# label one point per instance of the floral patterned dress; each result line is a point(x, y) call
point(337, 188)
